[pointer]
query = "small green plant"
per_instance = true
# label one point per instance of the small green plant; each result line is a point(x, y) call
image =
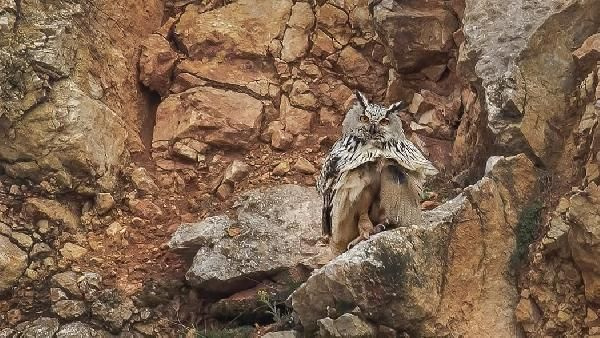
point(272, 307)
point(527, 228)
point(265, 298)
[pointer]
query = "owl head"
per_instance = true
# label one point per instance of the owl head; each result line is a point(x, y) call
point(372, 122)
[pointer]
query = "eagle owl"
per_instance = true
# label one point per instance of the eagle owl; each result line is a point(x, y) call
point(372, 178)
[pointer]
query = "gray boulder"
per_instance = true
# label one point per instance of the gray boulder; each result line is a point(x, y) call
point(274, 230)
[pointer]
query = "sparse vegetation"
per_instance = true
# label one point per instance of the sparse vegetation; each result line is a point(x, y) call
point(527, 228)
point(273, 307)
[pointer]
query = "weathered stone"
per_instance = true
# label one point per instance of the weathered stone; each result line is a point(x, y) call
point(40, 250)
point(69, 309)
point(302, 97)
point(584, 238)
point(281, 169)
point(202, 234)
point(23, 240)
point(234, 53)
point(51, 210)
point(77, 330)
point(224, 191)
point(238, 28)
point(352, 62)
point(507, 61)
point(113, 309)
point(417, 34)
point(281, 140)
point(322, 44)
point(296, 120)
point(68, 282)
point(13, 262)
point(304, 166)
point(90, 284)
point(71, 251)
point(334, 21)
point(588, 54)
point(185, 150)
point(41, 327)
point(346, 326)
point(276, 230)
point(282, 334)
point(214, 116)
point(90, 146)
point(527, 312)
point(145, 209)
point(57, 294)
point(114, 230)
point(236, 171)
point(104, 203)
point(143, 182)
point(156, 64)
point(295, 40)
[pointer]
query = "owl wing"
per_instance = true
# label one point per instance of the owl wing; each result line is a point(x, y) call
point(344, 155)
point(409, 157)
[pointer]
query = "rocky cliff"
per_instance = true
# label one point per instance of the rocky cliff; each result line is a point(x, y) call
point(158, 158)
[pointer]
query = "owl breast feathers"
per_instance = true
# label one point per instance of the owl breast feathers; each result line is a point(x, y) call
point(371, 134)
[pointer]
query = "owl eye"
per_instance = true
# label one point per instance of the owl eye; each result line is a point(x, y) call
point(363, 118)
point(384, 121)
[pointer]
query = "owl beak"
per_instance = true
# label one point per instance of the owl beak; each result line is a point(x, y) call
point(373, 129)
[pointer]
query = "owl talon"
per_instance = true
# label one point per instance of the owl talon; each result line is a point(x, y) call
point(379, 228)
point(356, 241)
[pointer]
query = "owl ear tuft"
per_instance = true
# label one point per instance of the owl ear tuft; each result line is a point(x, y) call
point(397, 107)
point(362, 99)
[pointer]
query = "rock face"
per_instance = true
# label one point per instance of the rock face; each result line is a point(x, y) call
point(509, 47)
point(13, 262)
point(413, 279)
point(584, 216)
point(56, 120)
point(214, 116)
point(425, 37)
point(274, 230)
point(283, 77)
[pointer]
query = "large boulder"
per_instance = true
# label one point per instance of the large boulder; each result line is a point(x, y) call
point(273, 231)
point(519, 54)
point(413, 279)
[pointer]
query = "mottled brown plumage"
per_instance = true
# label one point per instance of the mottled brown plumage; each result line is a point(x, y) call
point(372, 175)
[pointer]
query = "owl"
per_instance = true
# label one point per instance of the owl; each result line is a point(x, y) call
point(373, 176)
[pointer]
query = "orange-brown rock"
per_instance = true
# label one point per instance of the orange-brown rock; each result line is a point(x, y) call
point(418, 34)
point(296, 120)
point(213, 116)
point(157, 61)
point(237, 29)
point(295, 40)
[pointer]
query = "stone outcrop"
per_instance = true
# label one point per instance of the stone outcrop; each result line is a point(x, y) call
point(63, 121)
point(413, 279)
point(284, 77)
point(521, 55)
point(273, 232)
